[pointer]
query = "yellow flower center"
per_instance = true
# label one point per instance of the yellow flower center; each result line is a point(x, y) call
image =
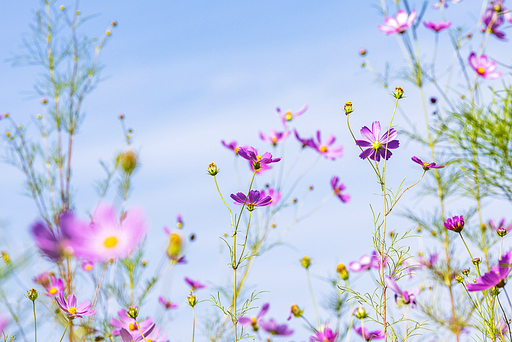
point(258, 157)
point(253, 320)
point(337, 191)
point(132, 327)
point(110, 242)
point(323, 149)
point(480, 71)
point(274, 140)
point(288, 116)
point(376, 145)
point(175, 245)
point(149, 340)
point(88, 267)
point(53, 290)
point(236, 149)
point(72, 310)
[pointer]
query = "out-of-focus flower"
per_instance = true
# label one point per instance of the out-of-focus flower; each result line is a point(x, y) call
point(369, 335)
point(289, 115)
point(305, 262)
point(128, 161)
point(274, 137)
point(404, 296)
point(275, 329)
point(233, 146)
point(445, 3)
point(176, 246)
point(55, 287)
point(87, 266)
point(167, 303)
point(398, 24)
point(327, 149)
point(156, 336)
point(127, 323)
point(455, 224)
point(342, 271)
point(426, 166)
point(430, 262)
point(253, 321)
point(70, 306)
point(274, 194)
point(53, 244)
point(365, 263)
point(305, 142)
point(362, 52)
point(42, 279)
point(377, 147)
point(496, 277)
point(483, 66)
point(327, 335)
point(433, 100)
point(255, 199)
point(295, 311)
point(494, 17)
point(338, 188)
point(179, 221)
point(437, 27)
point(195, 284)
point(4, 322)
point(251, 154)
point(501, 228)
point(127, 336)
point(360, 312)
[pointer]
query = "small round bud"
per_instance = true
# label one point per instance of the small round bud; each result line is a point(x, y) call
point(399, 93)
point(32, 294)
point(305, 262)
point(39, 116)
point(6, 257)
point(108, 33)
point(433, 100)
point(363, 65)
point(469, 36)
point(311, 187)
point(360, 312)
point(19, 127)
point(348, 108)
point(294, 200)
point(144, 262)
point(62, 7)
point(463, 97)
point(114, 23)
point(418, 229)
point(44, 100)
point(422, 287)
point(501, 232)
point(342, 271)
point(192, 300)
point(133, 312)
point(6, 115)
point(128, 161)
point(121, 116)
point(296, 311)
point(476, 261)
point(466, 271)
point(8, 134)
point(273, 225)
point(362, 52)
point(130, 131)
point(175, 246)
point(213, 169)
point(77, 12)
point(459, 278)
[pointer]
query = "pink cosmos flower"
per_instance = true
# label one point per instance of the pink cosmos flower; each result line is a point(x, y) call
point(275, 329)
point(430, 262)
point(305, 142)
point(272, 193)
point(445, 3)
point(167, 303)
point(53, 244)
point(72, 309)
point(437, 27)
point(455, 224)
point(338, 189)
point(400, 24)
point(233, 146)
point(289, 115)
point(501, 226)
point(42, 279)
point(4, 322)
point(483, 66)
point(274, 137)
point(365, 263)
point(127, 323)
point(327, 149)
point(127, 336)
point(255, 199)
point(251, 154)
point(87, 266)
point(55, 287)
point(369, 335)
point(377, 147)
point(426, 166)
point(495, 278)
point(327, 335)
point(156, 336)
point(195, 284)
point(405, 296)
point(253, 321)
point(492, 21)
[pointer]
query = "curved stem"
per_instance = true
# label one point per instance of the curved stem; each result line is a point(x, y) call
point(404, 192)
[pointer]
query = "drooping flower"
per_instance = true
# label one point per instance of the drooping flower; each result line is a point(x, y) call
point(274, 194)
point(70, 306)
point(275, 329)
point(167, 303)
point(194, 284)
point(127, 336)
point(338, 188)
point(327, 335)
point(455, 224)
point(87, 266)
point(377, 147)
point(495, 277)
point(426, 166)
point(437, 27)
point(400, 24)
point(483, 66)
point(369, 335)
point(274, 137)
point(127, 323)
point(289, 115)
point(404, 296)
point(55, 287)
point(251, 154)
point(445, 3)
point(327, 149)
point(253, 321)
point(233, 146)
point(255, 199)
point(305, 142)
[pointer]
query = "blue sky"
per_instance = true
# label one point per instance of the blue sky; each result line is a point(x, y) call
point(189, 74)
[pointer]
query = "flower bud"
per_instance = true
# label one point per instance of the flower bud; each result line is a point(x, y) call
point(121, 116)
point(192, 300)
point(6, 257)
point(296, 311)
point(360, 312)
point(466, 271)
point(501, 232)
point(433, 100)
point(399, 93)
point(32, 294)
point(133, 312)
point(459, 278)
point(62, 7)
point(175, 246)
point(342, 271)
point(476, 261)
point(8, 134)
point(305, 262)
point(362, 52)
point(213, 169)
point(44, 100)
point(108, 33)
point(128, 161)
point(144, 262)
point(114, 23)
point(348, 108)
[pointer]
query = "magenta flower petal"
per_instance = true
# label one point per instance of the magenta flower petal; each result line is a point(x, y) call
point(378, 147)
point(483, 66)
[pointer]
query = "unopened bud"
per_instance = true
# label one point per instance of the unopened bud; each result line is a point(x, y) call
point(360, 312)
point(133, 312)
point(8, 134)
point(6, 257)
point(144, 262)
point(459, 278)
point(476, 261)
point(466, 271)
point(501, 232)
point(114, 23)
point(296, 311)
point(44, 100)
point(305, 262)
point(362, 52)
point(62, 7)
point(121, 116)
point(348, 108)
point(32, 294)
point(213, 169)
point(433, 100)
point(192, 300)
point(128, 161)
point(108, 33)
point(399, 93)
point(342, 271)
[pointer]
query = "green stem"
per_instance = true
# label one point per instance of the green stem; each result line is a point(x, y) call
point(193, 323)
point(138, 327)
point(471, 256)
point(67, 325)
point(312, 297)
point(35, 321)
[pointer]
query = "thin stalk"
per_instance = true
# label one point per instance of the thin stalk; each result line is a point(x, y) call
point(35, 320)
point(389, 211)
point(193, 324)
point(67, 325)
point(471, 256)
point(312, 296)
point(138, 327)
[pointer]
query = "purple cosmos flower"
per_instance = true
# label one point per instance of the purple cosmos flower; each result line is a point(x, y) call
point(87, 266)
point(501, 226)
point(327, 335)
point(167, 303)
point(377, 148)
point(275, 329)
point(445, 3)
point(437, 27)
point(430, 262)
point(405, 297)
point(274, 137)
point(455, 224)
point(483, 66)
point(251, 154)
point(233, 146)
point(338, 189)
point(400, 24)
point(496, 277)
point(195, 284)
point(426, 166)
point(305, 142)
point(255, 199)
point(127, 323)
point(54, 245)
point(253, 321)
point(492, 21)
point(127, 336)
point(274, 194)
point(369, 335)
point(366, 262)
point(289, 115)
point(55, 287)
point(326, 149)
point(72, 309)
